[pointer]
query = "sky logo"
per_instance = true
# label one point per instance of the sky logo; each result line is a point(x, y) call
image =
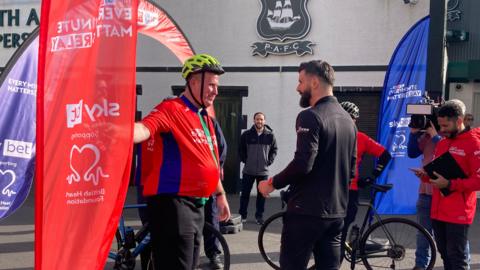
point(103, 109)
point(403, 122)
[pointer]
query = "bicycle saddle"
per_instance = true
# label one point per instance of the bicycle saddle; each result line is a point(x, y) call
point(382, 188)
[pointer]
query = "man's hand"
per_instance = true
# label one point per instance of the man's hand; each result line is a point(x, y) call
point(223, 208)
point(266, 187)
point(440, 182)
point(431, 129)
point(418, 172)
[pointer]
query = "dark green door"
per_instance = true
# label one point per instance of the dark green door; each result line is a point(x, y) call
point(228, 110)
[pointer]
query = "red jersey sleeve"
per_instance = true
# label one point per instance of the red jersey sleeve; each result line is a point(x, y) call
point(158, 121)
point(373, 148)
point(472, 182)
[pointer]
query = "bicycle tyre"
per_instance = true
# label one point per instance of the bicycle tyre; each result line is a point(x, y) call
point(118, 238)
point(223, 243)
point(272, 221)
point(376, 247)
point(150, 263)
point(347, 255)
point(124, 258)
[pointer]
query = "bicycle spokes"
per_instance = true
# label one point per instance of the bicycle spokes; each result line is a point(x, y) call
point(391, 244)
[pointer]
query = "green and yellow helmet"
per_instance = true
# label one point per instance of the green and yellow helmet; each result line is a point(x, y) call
point(201, 63)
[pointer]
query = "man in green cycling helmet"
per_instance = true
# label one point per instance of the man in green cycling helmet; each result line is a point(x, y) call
point(199, 69)
point(187, 169)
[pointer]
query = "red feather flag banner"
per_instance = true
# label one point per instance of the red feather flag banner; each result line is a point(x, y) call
point(85, 116)
point(155, 22)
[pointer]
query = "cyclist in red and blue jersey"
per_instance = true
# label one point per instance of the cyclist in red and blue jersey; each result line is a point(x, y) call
point(189, 169)
point(365, 145)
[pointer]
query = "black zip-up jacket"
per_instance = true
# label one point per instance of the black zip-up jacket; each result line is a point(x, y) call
point(324, 161)
point(257, 152)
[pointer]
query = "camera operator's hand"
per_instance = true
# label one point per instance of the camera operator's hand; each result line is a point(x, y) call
point(414, 130)
point(431, 130)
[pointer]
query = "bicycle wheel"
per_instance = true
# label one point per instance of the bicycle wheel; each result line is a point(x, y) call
point(150, 263)
point(391, 243)
point(347, 254)
point(222, 246)
point(117, 242)
point(123, 258)
point(269, 240)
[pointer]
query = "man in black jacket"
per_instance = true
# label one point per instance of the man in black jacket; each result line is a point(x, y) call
point(257, 150)
point(318, 175)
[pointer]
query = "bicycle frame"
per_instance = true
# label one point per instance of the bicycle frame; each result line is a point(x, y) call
point(367, 221)
point(123, 230)
point(371, 209)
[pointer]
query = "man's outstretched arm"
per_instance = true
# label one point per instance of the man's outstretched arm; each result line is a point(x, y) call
point(140, 133)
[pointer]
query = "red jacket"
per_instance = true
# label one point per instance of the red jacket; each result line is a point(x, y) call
point(459, 206)
point(365, 145)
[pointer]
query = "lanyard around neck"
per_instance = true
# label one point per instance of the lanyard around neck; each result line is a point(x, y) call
point(207, 134)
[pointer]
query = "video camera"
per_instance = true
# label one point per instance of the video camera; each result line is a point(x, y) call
point(423, 114)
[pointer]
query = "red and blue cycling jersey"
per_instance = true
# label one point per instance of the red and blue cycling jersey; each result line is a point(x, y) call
point(365, 145)
point(177, 159)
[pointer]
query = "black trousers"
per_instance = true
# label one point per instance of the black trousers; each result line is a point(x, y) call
point(350, 218)
point(247, 184)
point(303, 234)
point(176, 225)
point(451, 241)
point(210, 242)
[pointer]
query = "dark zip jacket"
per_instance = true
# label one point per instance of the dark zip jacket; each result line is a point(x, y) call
point(324, 161)
point(257, 151)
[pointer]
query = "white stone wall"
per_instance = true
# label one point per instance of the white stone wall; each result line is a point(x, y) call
point(24, 7)
point(466, 93)
point(345, 33)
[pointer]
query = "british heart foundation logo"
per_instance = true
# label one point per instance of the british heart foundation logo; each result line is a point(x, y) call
point(84, 165)
point(7, 177)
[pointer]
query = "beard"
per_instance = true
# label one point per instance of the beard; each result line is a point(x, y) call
point(452, 134)
point(305, 98)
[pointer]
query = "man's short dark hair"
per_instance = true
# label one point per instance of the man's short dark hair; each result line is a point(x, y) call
point(452, 109)
point(257, 113)
point(319, 68)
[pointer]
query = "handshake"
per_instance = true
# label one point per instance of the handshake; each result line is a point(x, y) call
point(266, 187)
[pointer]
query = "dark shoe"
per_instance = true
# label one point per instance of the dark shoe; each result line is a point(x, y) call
point(260, 221)
point(216, 262)
point(244, 219)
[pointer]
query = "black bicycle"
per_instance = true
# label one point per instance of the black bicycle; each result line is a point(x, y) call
point(129, 243)
point(386, 244)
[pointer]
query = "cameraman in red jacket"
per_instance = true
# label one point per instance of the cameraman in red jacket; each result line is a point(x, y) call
point(452, 214)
